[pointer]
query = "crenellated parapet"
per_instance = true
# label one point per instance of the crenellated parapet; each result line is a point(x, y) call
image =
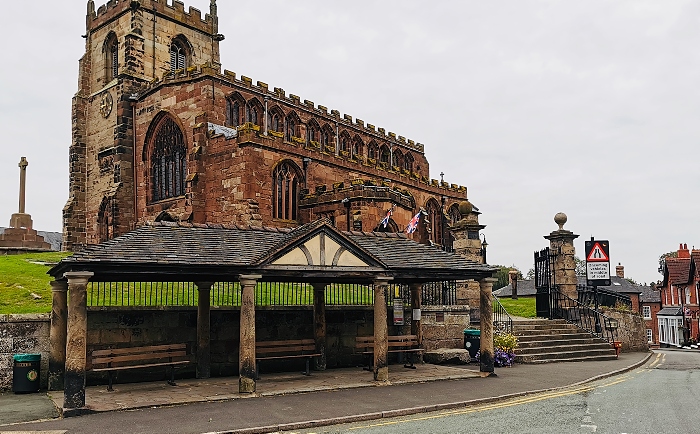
point(174, 10)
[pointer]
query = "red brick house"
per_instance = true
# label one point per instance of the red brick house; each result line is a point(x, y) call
point(678, 318)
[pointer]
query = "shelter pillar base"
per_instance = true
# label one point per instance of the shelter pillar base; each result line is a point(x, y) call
point(203, 330)
point(381, 339)
point(58, 334)
point(486, 363)
point(320, 325)
point(246, 352)
point(76, 342)
point(416, 289)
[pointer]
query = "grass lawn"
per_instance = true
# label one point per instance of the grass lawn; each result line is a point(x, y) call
point(523, 307)
point(22, 275)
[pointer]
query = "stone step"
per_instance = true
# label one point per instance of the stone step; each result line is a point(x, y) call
point(558, 342)
point(542, 357)
point(544, 327)
point(564, 348)
point(558, 336)
point(571, 359)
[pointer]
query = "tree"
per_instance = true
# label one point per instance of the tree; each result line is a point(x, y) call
point(662, 259)
point(580, 266)
point(502, 276)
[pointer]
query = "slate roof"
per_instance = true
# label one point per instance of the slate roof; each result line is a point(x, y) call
point(618, 284)
point(649, 295)
point(670, 311)
point(180, 248)
point(525, 288)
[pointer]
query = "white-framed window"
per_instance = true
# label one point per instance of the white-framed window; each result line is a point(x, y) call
point(687, 295)
point(646, 310)
point(650, 336)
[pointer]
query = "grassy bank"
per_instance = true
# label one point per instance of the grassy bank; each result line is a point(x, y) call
point(24, 284)
point(523, 307)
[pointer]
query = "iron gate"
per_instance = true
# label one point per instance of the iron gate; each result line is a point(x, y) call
point(544, 282)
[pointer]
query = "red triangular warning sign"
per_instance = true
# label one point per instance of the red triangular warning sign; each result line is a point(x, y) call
point(597, 254)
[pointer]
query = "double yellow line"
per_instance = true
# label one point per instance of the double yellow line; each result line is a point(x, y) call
point(505, 404)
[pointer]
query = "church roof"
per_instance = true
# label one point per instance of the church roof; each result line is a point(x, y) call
point(174, 251)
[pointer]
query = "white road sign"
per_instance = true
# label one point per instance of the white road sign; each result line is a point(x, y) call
point(597, 270)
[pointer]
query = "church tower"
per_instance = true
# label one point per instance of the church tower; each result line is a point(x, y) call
point(129, 44)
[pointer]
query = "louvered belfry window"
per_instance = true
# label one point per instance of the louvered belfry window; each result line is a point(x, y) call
point(168, 161)
point(178, 57)
point(114, 55)
point(285, 192)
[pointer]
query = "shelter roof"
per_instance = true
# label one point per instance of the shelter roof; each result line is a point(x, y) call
point(315, 251)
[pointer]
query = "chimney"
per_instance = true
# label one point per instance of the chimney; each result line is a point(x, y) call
point(620, 271)
point(683, 251)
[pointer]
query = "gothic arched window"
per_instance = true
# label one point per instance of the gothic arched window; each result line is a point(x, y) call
point(168, 160)
point(408, 162)
point(357, 147)
point(233, 112)
point(107, 219)
point(251, 114)
point(178, 54)
point(397, 158)
point(111, 50)
point(372, 150)
point(312, 131)
point(384, 154)
point(285, 191)
point(344, 144)
point(436, 220)
point(454, 214)
point(326, 135)
point(274, 120)
point(290, 129)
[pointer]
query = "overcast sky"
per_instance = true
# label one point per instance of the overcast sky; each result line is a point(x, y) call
point(586, 107)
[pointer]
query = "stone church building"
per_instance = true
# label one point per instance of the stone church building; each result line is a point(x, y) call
point(162, 133)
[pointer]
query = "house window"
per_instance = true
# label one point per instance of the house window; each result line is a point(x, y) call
point(687, 295)
point(650, 336)
point(647, 312)
point(178, 56)
point(168, 161)
point(285, 191)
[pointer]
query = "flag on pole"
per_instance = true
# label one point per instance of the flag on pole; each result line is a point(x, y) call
point(385, 220)
point(413, 224)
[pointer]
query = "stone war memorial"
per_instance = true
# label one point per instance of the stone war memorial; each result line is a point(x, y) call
point(20, 237)
point(213, 214)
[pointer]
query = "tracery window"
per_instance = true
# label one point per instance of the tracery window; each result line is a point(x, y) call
point(357, 147)
point(454, 214)
point(252, 113)
point(326, 136)
point(112, 57)
point(178, 55)
point(384, 154)
point(107, 219)
point(285, 191)
point(397, 159)
point(372, 151)
point(344, 144)
point(312, 131)
point(436, 220)
point(168, 160)
point(233, 112)
point(290, 128)
point(274, 121)
point(408, 162)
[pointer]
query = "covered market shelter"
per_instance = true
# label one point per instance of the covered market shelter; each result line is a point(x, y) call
point(316, 254)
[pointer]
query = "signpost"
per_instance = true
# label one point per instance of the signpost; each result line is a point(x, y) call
point(597, 269)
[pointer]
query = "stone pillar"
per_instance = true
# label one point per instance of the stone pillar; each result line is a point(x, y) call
point(204, 329)
point(465, 232)
point(22, 183)
point(76, 343)
point(381, 339)
point(58, 333)
point(561, 242)
point(320, 325)
point(486, 342)
point(513, 280)
point(246, 352)
point(416, 290)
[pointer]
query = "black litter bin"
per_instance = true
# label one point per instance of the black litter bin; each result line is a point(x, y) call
point(26, 373)
point(472, 341)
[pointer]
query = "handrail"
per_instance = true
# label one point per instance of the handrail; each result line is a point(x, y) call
point(583, 316)
point(501, 319)
point(606, 297)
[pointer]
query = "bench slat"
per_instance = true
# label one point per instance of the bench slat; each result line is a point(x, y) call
point(287, 356)
point(285, 349)
point(138, 350)
point(119, 368)
point(266, 344)
point(138, 357)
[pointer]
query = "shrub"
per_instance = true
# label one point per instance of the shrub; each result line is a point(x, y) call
point(504, 345)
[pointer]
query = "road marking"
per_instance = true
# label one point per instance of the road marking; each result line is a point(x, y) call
point(498, 405)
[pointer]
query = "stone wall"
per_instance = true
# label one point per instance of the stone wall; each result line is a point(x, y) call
point(632, 331)
point(21, 334)
point(443, 326)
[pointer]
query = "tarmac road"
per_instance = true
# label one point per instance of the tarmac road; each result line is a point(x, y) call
point(272, 411)
point(661, 397)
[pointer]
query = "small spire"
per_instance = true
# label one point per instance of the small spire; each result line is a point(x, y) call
point(212, 8)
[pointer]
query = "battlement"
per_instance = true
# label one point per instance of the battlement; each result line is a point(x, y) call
point(174, 11)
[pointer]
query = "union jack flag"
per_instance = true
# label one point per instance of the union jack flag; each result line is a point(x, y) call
point(413, 224)
point(385, 220)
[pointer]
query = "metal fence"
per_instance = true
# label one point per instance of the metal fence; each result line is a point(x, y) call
point(151, 294)
point(605, 297)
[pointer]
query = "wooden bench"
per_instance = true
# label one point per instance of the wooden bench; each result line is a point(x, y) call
point(120, 359)
point(404, 345)
point(272, 350)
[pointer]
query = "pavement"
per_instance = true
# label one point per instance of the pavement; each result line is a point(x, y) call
point(342, 395)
